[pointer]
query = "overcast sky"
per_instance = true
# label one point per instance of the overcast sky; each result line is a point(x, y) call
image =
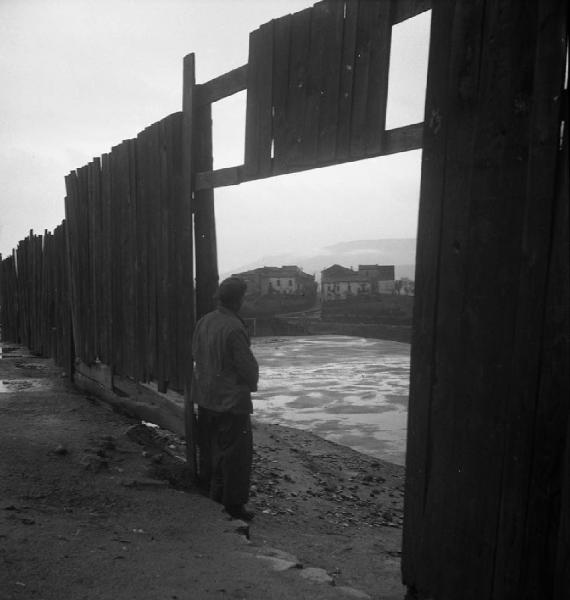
point(80, 76)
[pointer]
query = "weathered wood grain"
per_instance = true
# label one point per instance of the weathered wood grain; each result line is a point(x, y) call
point(347, 70)
point(259, 108)
point(332, 15)
point(107, 260)
point(281, 52)
point(292, 153)
point(485, 432)
point(204, 218)
point(381, 40)
point(188, 304)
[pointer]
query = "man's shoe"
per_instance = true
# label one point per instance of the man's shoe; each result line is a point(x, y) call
point(238, 511)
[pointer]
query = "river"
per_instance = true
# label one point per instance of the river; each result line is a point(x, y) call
point(350, 390)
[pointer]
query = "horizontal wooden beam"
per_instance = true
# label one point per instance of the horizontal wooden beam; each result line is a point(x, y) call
point(406, 9)
point(139, 400)
point(219, 178)
point(401, 139)
point(223, 86)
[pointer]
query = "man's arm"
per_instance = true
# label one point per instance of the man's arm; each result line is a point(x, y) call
point(244, 362)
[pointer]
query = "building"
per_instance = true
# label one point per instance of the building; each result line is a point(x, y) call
point(381, 277)
point(340, 283)
point(287, 280)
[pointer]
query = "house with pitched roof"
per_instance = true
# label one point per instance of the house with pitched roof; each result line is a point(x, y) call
point(288, 280)
point(341, 283)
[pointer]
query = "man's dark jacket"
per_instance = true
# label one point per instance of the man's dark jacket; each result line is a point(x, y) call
point(225, 370)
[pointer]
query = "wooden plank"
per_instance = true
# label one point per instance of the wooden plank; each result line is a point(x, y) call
point(98, 372)
point(72, 233)
point(142, 278)
point(281, 52)
point(562, 567)
point(154, 231)
point(220, 87)
point(313, 85)
point(206, 260)
point(138, 401)
point(378, 77)
point(525, 188)
point(400, 139)
point(50, 268)
point(173, 125)
point(331, 69)
point(259, 109)
point(347, 80)
point(117, 244)
point(367, 18)
point(219, 178)
point(322, 82)
point(127, 262)
point(59, 302)
point(86, 306)
point(162, 263)
point(47, 322)
point(146, 286)
point(90, 274)
point(416, 563)
point(546, 224)
point(51, 261)
point(174, 173)
point(33, 293)
point(187, 239)
point(476, 352)
point(135, 350)
point(292, 153)
point(106, 261)
point(95, 249)
point(204, 218)
point(120, 186)
point(558, 319)
point(181, 258)
point(460, 396)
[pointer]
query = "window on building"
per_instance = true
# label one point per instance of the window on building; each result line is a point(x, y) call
point(279, 283)
point(290, 282)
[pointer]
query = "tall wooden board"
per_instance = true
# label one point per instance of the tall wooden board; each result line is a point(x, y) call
point(487, 422)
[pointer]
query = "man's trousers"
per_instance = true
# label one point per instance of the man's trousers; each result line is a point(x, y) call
point(225, 447)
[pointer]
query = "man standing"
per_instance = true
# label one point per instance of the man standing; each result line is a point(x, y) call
point(224, 375)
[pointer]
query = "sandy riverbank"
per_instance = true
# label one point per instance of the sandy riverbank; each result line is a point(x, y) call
point(93, 506)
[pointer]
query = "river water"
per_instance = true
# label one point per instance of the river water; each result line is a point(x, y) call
point(350, 390)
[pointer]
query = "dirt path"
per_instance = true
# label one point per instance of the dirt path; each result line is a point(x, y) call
point(93, 505)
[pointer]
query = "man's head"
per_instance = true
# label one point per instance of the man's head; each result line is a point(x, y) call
point(231, 292)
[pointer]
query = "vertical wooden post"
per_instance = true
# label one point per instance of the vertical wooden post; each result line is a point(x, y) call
point(204, 217)
point(490, 372)
point(188, 99)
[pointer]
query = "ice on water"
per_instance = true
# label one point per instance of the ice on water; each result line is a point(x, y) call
point(350, 390)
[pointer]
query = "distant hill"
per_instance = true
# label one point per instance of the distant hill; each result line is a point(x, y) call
point(398, 252)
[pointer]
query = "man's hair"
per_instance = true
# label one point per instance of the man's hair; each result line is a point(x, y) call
point(231, 292)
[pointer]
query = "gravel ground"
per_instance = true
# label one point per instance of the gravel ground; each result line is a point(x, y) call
point(96, 505)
